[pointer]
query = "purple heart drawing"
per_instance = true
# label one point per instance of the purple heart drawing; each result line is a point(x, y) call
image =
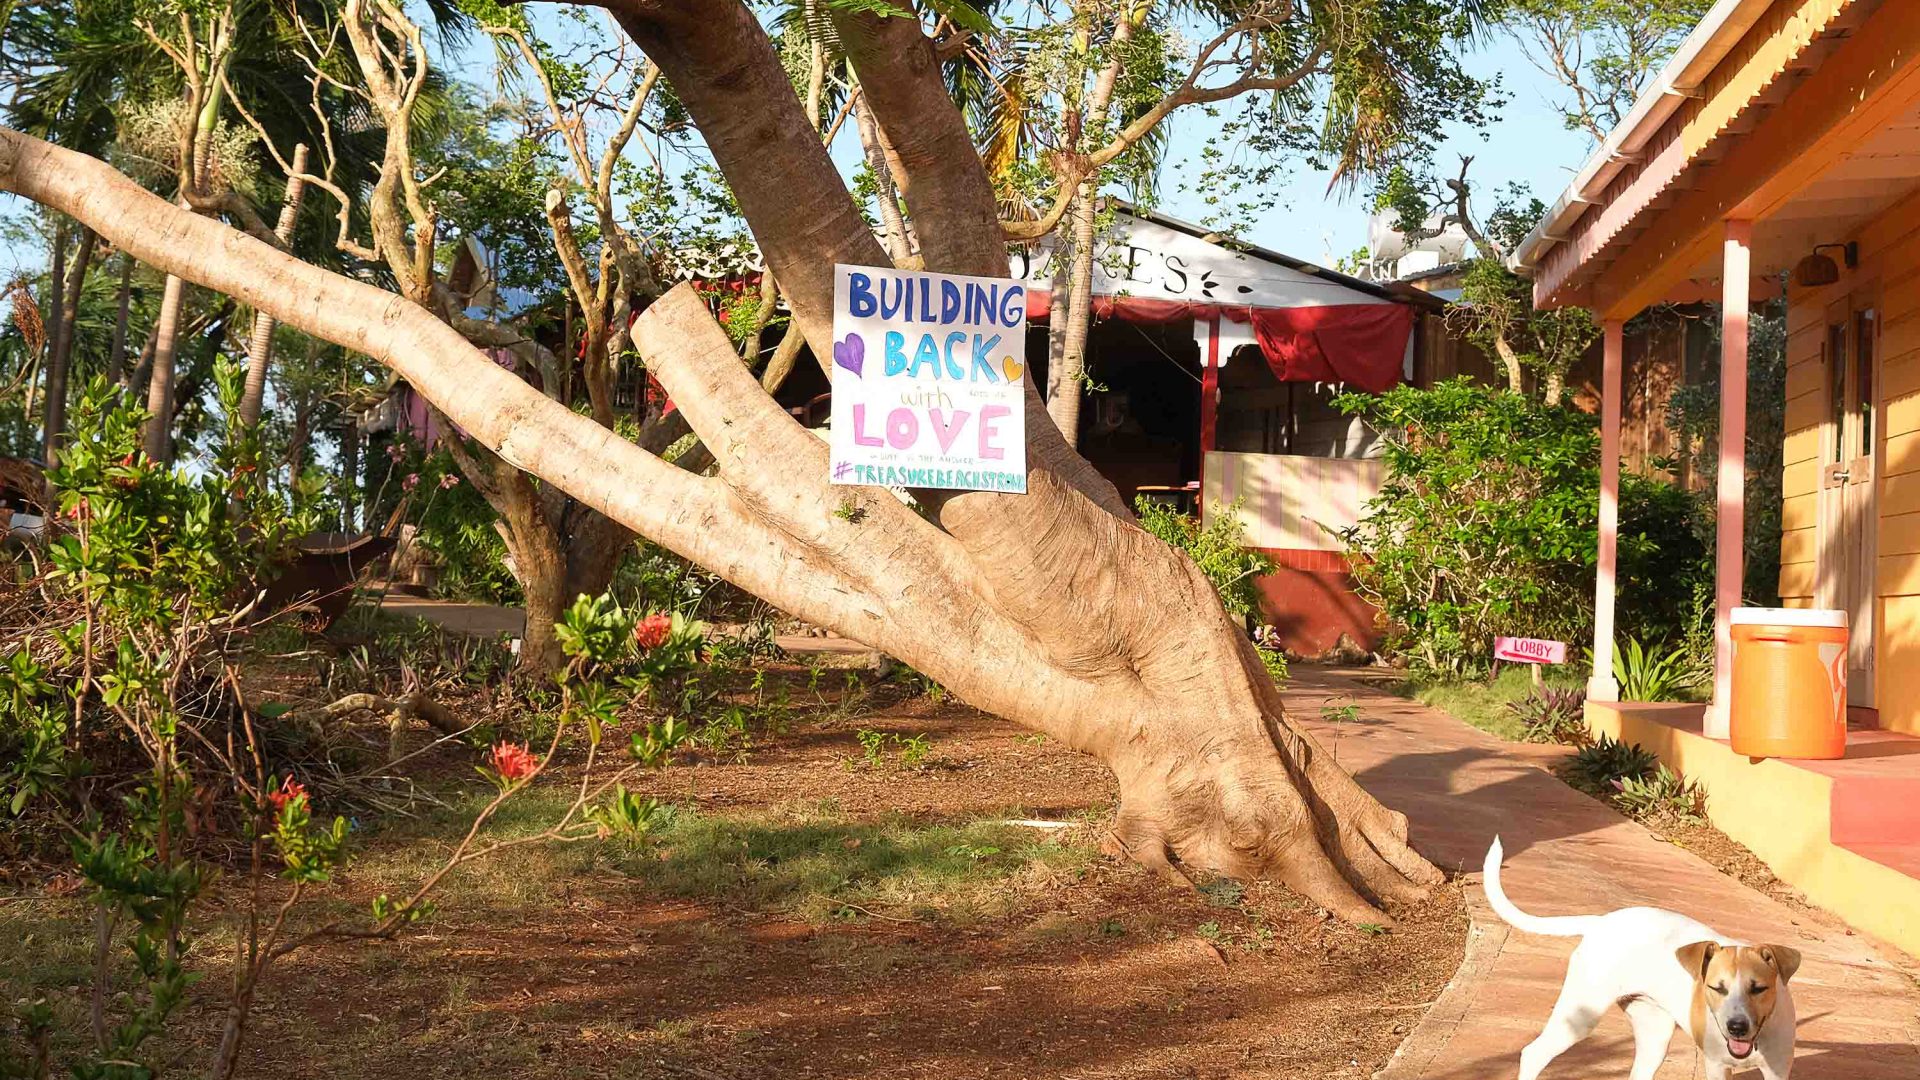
point(851, 354)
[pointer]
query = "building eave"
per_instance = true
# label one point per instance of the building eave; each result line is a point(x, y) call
point(1681, 79)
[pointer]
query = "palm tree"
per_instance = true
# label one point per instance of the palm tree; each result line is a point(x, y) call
point(86, 74)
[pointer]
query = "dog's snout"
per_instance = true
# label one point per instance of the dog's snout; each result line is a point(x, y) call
point(1739, 1027)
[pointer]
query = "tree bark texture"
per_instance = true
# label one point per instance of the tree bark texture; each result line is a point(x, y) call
point(1070, 388)
point(60, 347)
point(117, 352)
point(166, 339)
point(260, 344)
point(56, 308)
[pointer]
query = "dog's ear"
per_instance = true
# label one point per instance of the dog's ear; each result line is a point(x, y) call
point(1696, 957)
point(1784, 960)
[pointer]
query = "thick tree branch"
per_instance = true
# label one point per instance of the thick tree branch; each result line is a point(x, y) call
point(948, 194)
point(699, 518)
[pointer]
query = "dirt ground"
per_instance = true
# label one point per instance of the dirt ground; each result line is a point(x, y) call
point(815, 914)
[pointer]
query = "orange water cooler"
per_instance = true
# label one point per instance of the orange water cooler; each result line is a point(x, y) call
point(1789, 682)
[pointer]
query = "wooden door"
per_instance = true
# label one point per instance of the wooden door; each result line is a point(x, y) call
point(1848, 497)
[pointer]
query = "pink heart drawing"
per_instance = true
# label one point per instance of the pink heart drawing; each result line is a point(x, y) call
point(851, 354)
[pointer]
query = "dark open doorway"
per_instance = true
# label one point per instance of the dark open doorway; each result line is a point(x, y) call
point(1140, 421)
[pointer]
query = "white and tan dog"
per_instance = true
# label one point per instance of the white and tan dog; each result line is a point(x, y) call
point(1663, 969)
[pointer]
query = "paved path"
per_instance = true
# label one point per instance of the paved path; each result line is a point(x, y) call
point(1566, 853)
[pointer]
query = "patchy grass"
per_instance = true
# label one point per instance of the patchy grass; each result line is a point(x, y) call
point(795, 918)
point(1483, 703)
point(812, 862)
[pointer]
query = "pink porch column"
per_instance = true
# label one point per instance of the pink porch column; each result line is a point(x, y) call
point(1730, 522)
point(1602, 686)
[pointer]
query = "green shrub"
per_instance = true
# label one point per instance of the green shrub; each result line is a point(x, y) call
point(1665, 558)
point(1220, 549)
point(1487, 525)
point(1552, 715)
point(457, 525)
point(1693, 415)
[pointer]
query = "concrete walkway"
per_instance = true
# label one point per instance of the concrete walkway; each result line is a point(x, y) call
point(1566, 854)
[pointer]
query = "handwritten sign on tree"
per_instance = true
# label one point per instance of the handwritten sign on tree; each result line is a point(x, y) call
point(928, 380)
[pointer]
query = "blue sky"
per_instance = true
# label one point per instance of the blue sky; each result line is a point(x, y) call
point(1528, 143)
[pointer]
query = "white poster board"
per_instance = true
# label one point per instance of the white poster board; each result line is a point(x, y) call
point(929, 378)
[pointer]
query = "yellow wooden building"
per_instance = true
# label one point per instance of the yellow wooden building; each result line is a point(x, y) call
point(1782, 143)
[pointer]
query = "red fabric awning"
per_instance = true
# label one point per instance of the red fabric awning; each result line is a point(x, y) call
point(1363, 345)
point(1133, 309)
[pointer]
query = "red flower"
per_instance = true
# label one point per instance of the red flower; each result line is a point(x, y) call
point(128, 460)
point(291, 791)
point(513, 761)
point(652, 631)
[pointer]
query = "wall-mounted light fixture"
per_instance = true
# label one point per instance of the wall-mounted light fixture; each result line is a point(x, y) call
point(1817, 269)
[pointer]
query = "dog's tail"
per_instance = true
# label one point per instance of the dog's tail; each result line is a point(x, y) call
point(1557, 926)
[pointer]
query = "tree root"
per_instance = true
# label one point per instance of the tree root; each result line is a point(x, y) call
point(400, 712)
point(1276, 807)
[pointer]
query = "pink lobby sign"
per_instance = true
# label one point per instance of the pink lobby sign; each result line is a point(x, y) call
point(1520, 650)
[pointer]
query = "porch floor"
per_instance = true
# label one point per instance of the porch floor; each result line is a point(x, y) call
point(1567, 853)
point(1846, 833)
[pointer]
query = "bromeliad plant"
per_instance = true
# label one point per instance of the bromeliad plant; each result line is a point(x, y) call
point(1654, 672)
point(1599, 766)
point(1552, 714)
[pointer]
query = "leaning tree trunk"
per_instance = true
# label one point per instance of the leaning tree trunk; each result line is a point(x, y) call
point(1070, 385)
point(50, 324)
point(260, 344)
point(166, 335)
point(60, 348)
point(886, 197)
point(349, 476)
point(1509, 359)
point(1070, 392)
point(117, 353)
point(1059, 315)
point(1101, 636)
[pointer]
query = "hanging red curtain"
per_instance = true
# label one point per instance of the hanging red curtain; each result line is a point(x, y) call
point(1363, 345)
point(1134, 309)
